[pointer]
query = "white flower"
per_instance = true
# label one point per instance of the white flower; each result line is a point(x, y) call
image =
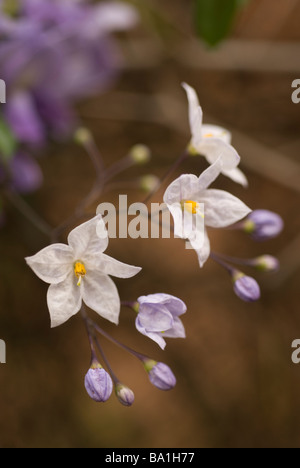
point(221, 209)
point(79, 272)
point(211, 140)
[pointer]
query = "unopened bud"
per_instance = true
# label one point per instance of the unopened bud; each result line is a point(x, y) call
point(246, 287)
point(149, 183)
point(160, 375)
point(124, 394)
point(83, 136)
point(140, 154)
point(263, 225)
point(98, 383)
point(266, 263)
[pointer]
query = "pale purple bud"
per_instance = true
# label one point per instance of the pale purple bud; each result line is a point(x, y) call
point(124, 394)
point(246, 287)
point(98, 384)
point(160, 375)
point(266, 263)
point(262, 225)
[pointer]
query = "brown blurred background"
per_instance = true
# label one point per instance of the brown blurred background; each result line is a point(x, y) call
point(237, 385)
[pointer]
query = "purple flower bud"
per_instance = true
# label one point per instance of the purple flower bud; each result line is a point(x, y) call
point(262, 225)
point(246, 288)
point(266, 263)
point(160, 375)
point(124, 394)
point(98, 384)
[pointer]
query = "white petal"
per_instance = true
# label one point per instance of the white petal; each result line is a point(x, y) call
point(210, 175)
point(223, 209)
point(110, 266)
point(214, 131)
point(204, 252)
point(89, 239)
point(100, 294)
point(184, 187)
point(197, 234)
point(53, 263)
point(64, 300)
point(237, 176)
point(176, 212)
point(113, 16)
point(213, 148)
point(195, 115)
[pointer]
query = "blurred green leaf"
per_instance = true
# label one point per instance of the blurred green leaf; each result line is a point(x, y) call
point(8, 143)
point(214, 18)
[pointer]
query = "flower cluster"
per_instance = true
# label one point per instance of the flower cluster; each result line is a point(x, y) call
point(53, 53)
point(79, 272)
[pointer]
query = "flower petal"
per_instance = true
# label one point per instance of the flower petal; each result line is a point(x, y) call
point(157, 337)
point(237, 176)
point(175, 305)
point(210, 175)
point(184, 187)
point(176, 212)
point(223, 209)
point(195, 115)
point(204, 252)
point(100, 294)
point(214, 131)
point(212, 148)
point(64, 300)
point(113, 16)
point(155, 318)
point(177, 331)
point(89, 239)
point(52, 264)
point(112, 267)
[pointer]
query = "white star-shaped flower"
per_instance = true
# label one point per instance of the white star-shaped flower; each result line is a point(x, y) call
point(188, 194)
point(79, 272)
point(211, 140)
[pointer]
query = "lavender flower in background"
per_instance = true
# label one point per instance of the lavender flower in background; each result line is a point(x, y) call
point(158, 317)
point(263, 225)
point(52, 54)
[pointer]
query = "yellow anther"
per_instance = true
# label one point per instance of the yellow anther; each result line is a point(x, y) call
point(208, 135)
point(80, 271)
point(190, 206)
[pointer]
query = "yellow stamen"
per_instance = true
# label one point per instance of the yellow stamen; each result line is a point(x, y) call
point(208, 135)
point(80, 272)
point(190, 206)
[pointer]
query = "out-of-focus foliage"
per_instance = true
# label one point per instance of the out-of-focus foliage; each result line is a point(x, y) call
point(8, 143)
point(214, 18)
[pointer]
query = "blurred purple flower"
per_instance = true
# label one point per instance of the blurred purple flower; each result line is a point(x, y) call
point(158, 317)
point(53, 53)
point(23, 174)
point(263, 225)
